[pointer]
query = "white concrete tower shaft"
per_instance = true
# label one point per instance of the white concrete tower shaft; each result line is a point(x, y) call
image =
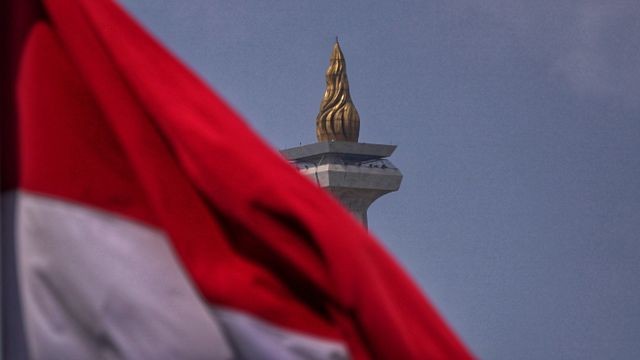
point(355, 173)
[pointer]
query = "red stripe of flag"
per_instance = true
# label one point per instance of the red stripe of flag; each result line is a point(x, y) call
point(110, 119)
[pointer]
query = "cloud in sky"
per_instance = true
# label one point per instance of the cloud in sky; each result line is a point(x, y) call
point(592, 46)
point(605, 58)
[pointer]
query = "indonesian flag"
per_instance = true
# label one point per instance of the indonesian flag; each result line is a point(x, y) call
point(147, 221)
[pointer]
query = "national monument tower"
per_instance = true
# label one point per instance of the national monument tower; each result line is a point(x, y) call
point(355, 173)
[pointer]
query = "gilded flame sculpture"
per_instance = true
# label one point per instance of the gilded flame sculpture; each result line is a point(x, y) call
point(338, 119)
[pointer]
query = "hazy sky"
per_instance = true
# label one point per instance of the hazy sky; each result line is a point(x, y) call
point(518, 132)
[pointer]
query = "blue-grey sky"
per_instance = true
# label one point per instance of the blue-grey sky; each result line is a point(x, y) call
point(518, 132)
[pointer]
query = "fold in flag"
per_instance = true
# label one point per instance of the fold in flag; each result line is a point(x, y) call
point(150, 222)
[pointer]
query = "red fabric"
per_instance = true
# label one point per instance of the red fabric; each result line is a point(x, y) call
point(109, 118)
point(16, 18)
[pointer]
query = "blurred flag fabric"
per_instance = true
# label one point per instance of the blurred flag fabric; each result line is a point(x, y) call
point(143, 219)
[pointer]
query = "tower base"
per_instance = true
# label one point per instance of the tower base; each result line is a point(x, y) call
point(355, 173)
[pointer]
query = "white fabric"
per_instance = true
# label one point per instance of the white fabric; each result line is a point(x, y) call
point(98, 286)
point(257, 339)
point(95, 285)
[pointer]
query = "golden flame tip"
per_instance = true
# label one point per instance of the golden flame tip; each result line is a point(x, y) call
point(338, 119)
